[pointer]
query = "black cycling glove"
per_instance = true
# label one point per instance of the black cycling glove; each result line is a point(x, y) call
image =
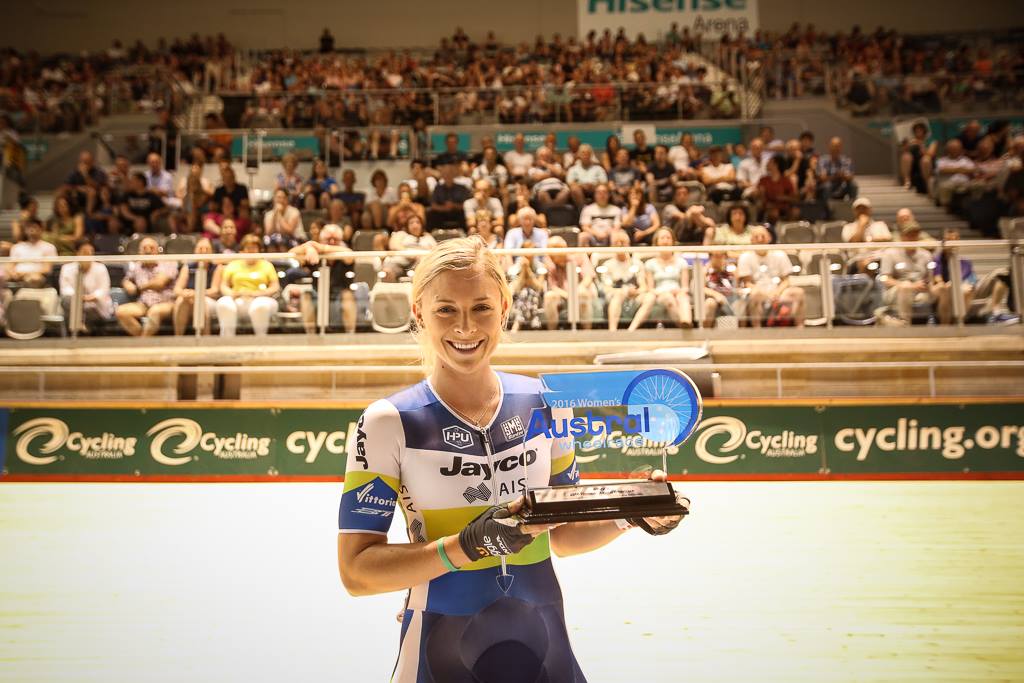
point(495, 532)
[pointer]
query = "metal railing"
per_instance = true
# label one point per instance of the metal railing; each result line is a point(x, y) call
point(698, 296)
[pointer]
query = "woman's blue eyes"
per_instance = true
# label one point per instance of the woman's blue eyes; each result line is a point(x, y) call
point(449, 309)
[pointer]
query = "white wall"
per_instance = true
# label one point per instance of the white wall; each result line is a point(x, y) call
point(71, 25)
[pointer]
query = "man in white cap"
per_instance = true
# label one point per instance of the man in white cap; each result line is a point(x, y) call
point(863, 228)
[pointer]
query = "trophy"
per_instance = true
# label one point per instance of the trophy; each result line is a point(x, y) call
point(661, 406)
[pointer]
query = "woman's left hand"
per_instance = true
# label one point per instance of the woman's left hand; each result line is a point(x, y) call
point(658, 525)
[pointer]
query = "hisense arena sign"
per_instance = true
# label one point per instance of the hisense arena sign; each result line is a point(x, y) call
point(653, 18)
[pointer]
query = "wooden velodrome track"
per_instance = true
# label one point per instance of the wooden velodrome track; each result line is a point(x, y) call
point(835, 581)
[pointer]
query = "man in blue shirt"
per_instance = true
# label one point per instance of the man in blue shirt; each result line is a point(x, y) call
point(835, 170)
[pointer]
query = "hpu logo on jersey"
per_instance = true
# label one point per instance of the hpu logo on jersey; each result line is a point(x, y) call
point(512, 428)
point(468, 468)
point(457, 436)
point(480, 492)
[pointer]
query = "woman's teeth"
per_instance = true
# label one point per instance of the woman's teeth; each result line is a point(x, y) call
point(465, 346)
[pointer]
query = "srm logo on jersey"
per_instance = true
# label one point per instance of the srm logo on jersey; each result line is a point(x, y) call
point(457, 436)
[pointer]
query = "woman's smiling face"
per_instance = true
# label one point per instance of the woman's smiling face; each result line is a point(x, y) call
point(461, 314)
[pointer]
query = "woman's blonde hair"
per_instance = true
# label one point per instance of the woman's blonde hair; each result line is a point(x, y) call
point(461, 253)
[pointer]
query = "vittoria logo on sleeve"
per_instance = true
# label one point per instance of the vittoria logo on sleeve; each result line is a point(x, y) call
point(457, 436)
point(512, 428)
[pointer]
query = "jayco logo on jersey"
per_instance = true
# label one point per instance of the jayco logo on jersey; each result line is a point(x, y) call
point(106, 446)
point(512, 428)
point(457, 437)
point(239, 446)
point(785, 444)
point(469, 468)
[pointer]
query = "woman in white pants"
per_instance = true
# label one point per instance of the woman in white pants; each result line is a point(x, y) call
point(248, 287)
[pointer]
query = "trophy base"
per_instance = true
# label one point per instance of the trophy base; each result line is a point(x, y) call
point(594, 502)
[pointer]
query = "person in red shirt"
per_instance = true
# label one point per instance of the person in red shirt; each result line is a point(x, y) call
point(776, 194)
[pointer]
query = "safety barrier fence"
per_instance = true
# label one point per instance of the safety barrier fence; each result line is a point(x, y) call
point(823, 256)
point(736, 440)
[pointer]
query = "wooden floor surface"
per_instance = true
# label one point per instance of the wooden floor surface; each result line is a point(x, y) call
point(795, 582)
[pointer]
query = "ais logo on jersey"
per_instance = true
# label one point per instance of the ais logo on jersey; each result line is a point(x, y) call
point(457, 436)
point(468, 468)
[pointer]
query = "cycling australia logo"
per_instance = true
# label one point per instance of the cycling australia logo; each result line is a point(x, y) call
point(457, 437)
point(784, 444)
point(31, 449)
point(238, 446)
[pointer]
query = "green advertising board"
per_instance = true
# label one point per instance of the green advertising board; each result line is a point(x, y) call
point(276, 146)
point(438, 144)
point(36, 149)
point(702, 137)
point(733, 441)
point(505, 139)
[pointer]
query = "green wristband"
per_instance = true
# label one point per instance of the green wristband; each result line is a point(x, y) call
point(444, 556)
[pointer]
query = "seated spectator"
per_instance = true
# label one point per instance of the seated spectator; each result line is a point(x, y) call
point(447, 201)
point(735, 232)
point(954, 173)
point(684, 156)
point(29, 212)
point(668, 276)
point(354, 200)
point(719, 176)
point(942, 287)
point(547, 179)
point(412, 237)
point(622, 176)
point(661, 176)
point(229, 187)
point(527, 232)
point(776, 194)
point(194, 191)
point(599, 220)
point(185, 290)
point(24, 270)
point(152, 284)
point(99, 210)
point(64, 229)
point(835, 171)
point(642, 154)
point(527, 298)
point(289, 179)
point(864, 228)
point(990, 168)
point(969, 138)
point(97, 306)
point(905, 274)
point(483, 199)
point(584, 176)
point(85, 180)
point(767, 273)
point(572, 154)
point(556, 296)
point(720, 290)
point(518, 160)
point(158, 180)
point(283, 218)
point(484, 226)
point(917, 159)
point(640, 219)
point(612, 146)
point(120, 176)
point(248, 288)
point(624, 283)
point(800, 166)
point(752, 168)
point(860, 95)
point(422, 181)
point(405, 208)
point(213, 222)
point(689, 224)
point(140, 207)
point(493, 171)
point(227, 241)
point(341, 276)
point(320, 188)
point(451, 154)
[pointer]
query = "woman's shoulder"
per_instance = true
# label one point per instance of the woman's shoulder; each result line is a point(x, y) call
point(512, 383)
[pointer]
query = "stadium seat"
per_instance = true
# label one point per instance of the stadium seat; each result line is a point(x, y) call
point(571, 235)
point(365, 273)
point(180, 244)
point(814, 314)
point(856, 299)
point(24, 319)
point(363, 239)
point(106, 243)
point(800, 232)
point(840, 210)
point(830, 232)
point(116, 272)
point(1011, 228)
point(698, 193)
point(447, 234)
point(562, 216)
point(390, 307)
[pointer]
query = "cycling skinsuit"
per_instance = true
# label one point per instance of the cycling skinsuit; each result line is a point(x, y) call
point(461, 627)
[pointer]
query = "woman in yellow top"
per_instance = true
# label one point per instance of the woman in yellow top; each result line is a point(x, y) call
point(248, 287)
point(64, 228)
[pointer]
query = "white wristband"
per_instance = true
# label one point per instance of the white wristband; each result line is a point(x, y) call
point(623, 524)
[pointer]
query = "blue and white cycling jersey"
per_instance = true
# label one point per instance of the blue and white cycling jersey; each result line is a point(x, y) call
point(411, 448)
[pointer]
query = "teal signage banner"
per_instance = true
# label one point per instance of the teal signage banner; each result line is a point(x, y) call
point(702, 137)
point(276, 146)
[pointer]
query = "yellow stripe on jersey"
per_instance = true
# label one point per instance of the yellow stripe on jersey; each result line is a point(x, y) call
point(451, 521)
point(354, 479)
point(559, 465)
